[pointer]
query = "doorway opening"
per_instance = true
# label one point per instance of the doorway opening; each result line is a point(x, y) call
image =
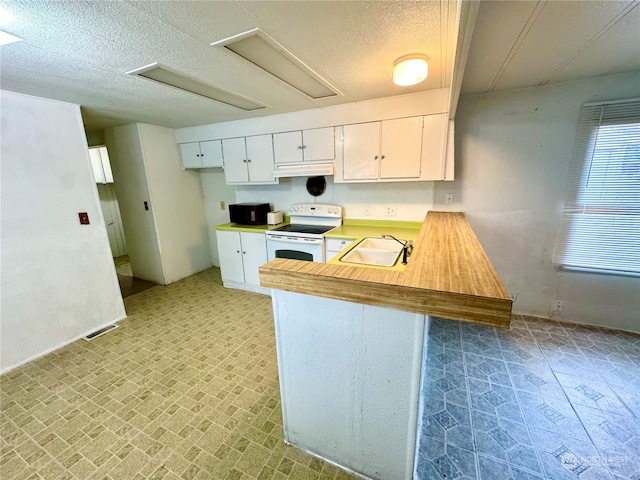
point(103, 175)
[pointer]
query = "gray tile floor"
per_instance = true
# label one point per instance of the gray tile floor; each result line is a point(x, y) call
point(542, 400)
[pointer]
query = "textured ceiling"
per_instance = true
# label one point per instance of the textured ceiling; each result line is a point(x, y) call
point(529, 43)
point(79, 51)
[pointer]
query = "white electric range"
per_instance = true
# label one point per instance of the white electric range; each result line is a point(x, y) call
point(303, 238)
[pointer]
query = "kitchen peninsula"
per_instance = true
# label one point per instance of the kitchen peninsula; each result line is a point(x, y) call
point(351, 342)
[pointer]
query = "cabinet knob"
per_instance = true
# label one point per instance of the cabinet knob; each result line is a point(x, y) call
point(237, 251)
point(376, 157)
point(244, 253)
point(382, 157)
point(299, 147)
point(249, 160)
point(245, 160)
point(304, 146)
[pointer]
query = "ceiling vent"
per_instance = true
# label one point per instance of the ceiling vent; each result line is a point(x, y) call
point(260, 49)
point(161, 74)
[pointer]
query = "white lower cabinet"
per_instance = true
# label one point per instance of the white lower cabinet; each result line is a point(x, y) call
point(334, 246)
point(241, 254)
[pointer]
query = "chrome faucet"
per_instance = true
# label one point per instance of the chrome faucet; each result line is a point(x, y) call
point(407, 247)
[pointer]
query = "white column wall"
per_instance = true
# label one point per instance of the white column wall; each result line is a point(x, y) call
point(58, 278)
point(178, 203)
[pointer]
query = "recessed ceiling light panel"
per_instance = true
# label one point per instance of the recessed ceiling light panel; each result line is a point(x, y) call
point(164, 75)
point(260, 49)
point(7, 38)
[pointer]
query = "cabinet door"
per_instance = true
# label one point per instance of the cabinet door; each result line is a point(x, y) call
point(254, 254)
point(434, 146)
point(318, 144)
point(334, 246)
point(190, 153)
point(235, 160)
point(361, 150)
point(211, 153)
point(401, 146)
point(260, 158)
point(230, 253)
point(287, 147)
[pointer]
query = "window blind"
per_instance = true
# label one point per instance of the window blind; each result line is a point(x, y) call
point(600, 219)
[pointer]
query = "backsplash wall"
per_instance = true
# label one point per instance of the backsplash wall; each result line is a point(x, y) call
point(412, 200)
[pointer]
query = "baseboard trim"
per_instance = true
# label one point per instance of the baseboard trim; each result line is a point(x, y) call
point(47, 352)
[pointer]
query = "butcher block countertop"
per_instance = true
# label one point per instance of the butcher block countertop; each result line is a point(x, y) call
point(448, 275)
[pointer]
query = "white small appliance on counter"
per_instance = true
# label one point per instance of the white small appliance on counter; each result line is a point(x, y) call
point(274, 218)
point(303, 238)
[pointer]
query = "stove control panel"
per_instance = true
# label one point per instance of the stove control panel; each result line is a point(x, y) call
point(315, 210)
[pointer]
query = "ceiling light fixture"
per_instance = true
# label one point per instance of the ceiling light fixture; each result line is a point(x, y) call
point(5, 16)
point(160, 74)
point(263, 51)
point(7, 38)
point(410, 69)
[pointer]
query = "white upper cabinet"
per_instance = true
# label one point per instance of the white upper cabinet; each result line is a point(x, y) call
point(201, 154)
point(434, 149)
point(382, 150)
point(361, 151)
point(248, 160)
point(400, 141)
point(403, 149)
point(315, 145)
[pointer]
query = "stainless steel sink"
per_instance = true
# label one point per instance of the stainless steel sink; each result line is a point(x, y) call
point(374, 251)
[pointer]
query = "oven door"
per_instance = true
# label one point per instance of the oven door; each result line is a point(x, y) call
point(298, 248)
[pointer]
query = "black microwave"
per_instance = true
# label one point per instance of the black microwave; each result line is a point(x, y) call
point(249, 213)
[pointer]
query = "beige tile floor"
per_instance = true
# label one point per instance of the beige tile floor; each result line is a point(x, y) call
point(186, 388)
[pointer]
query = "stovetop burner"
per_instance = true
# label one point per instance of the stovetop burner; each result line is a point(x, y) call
point(309, 229)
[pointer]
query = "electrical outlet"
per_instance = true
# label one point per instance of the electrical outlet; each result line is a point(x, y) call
point(390, 211)
point(558, 305)
point(366, 210)
point(222, 205)
point(448, 199)
point(84, 218)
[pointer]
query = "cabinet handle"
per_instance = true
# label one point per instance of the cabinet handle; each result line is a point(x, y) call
point(382, 157)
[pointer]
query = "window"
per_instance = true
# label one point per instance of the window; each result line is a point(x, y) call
point(600, 222)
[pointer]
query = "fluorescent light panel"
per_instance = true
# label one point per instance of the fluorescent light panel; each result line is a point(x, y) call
point(263, 51)
point(7, 38)
point(165, 76)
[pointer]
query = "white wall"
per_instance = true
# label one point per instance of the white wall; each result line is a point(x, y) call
point(58, 278)
point(178, 204)
point(132, 188)
point(215, 190)
point(412, 199)
point(512, 155)
point(170, 241)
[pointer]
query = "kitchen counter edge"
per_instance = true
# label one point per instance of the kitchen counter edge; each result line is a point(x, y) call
point(234, 227)
point(448, 275)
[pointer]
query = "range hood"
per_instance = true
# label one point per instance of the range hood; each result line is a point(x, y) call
point(303, 170)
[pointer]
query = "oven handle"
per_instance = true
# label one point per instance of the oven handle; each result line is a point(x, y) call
point(305, 241)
